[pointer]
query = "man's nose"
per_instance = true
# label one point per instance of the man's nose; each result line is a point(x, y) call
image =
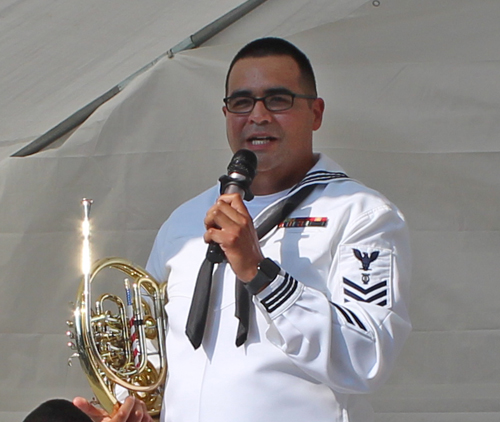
point(260, 114)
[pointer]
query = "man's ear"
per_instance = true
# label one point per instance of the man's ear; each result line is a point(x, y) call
point(224, 110)
point(318, 108)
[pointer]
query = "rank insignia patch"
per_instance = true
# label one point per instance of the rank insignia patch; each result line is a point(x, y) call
point(366, 274)
point(304, 222)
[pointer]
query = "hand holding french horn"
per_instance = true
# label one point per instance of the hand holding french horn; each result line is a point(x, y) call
point(132, 410)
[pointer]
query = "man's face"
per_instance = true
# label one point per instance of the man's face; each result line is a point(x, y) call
point(281, 140)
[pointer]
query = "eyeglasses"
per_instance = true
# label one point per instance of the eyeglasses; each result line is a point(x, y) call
point(243, 104)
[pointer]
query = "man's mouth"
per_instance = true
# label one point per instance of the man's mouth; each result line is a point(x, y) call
point(261, 140)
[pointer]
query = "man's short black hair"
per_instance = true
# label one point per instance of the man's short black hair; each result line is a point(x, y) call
point(270, 46)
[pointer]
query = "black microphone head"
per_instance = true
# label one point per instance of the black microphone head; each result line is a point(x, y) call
point(243, 162)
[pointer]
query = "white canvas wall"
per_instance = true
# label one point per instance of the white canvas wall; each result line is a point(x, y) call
point(411, 89)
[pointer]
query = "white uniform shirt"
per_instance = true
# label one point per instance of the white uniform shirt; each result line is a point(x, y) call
point(327, 330)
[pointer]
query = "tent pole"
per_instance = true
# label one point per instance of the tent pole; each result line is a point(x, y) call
point(193, 41)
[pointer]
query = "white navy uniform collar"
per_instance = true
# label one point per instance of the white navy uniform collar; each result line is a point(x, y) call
point(323, 172)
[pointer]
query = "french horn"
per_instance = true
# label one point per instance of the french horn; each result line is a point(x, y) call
point(120, 339)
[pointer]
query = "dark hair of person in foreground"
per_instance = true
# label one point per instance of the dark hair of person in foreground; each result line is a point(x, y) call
point(57, 410)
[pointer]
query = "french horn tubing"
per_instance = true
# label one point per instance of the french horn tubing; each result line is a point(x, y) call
point(120, 339)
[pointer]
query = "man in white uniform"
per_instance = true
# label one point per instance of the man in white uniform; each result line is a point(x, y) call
point(329, 284)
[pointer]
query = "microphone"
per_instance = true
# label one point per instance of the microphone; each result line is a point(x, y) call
point(241, 171)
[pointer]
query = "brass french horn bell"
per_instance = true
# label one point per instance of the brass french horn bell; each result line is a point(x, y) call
point(120, 339)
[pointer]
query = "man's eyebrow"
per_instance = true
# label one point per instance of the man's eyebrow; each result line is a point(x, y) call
point(241, 92)
point(277, 90)
point(269, 91)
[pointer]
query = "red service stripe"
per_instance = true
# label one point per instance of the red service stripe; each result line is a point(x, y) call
point(304, 222)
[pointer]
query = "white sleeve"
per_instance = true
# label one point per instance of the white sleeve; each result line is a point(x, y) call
point(349, 338)
point(157, 258)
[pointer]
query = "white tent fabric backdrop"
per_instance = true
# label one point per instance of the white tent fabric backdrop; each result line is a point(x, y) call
point(411, 89)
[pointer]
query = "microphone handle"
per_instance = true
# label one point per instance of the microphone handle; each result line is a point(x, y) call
point(234, 188)
point(214, 252)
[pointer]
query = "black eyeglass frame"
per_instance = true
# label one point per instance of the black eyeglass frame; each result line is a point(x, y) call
point(293, 95)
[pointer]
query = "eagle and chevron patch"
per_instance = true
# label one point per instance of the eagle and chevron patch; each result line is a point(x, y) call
point(366, 274)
